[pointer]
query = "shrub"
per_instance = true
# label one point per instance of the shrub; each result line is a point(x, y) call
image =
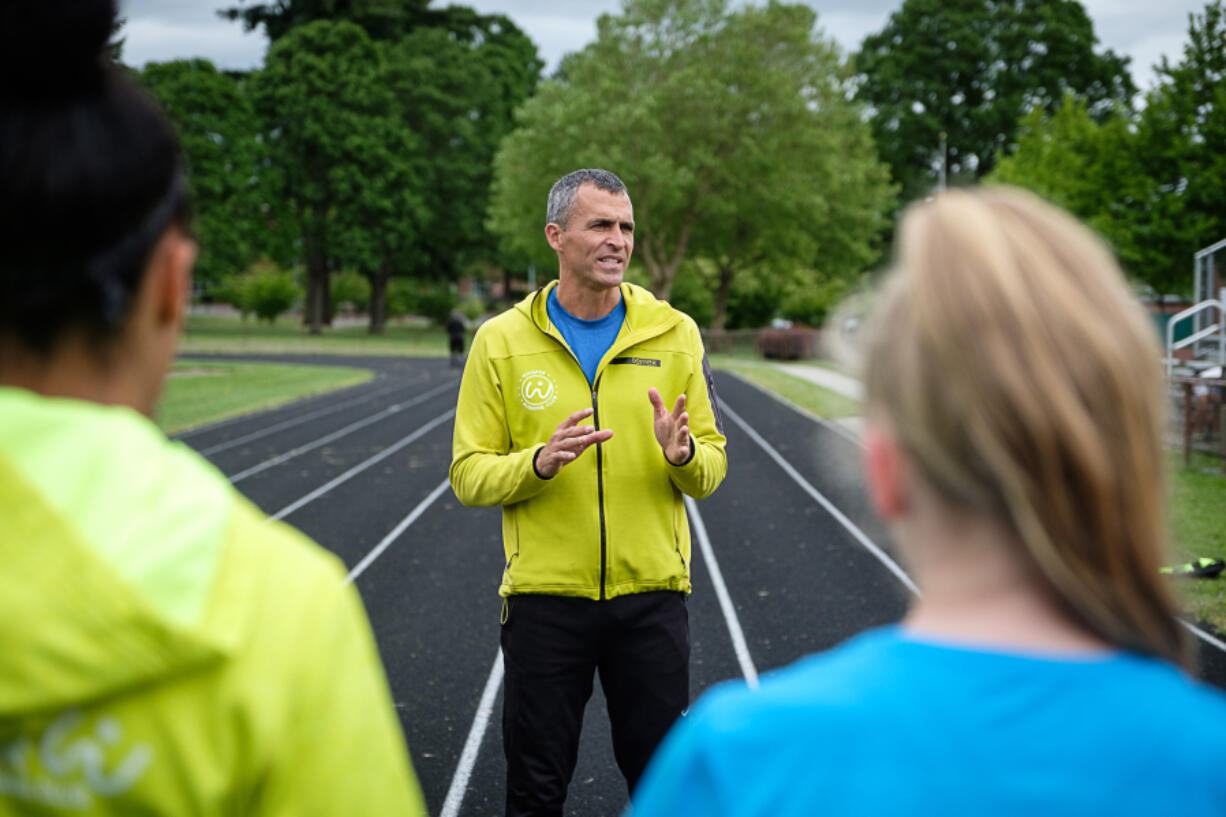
point(353, 288)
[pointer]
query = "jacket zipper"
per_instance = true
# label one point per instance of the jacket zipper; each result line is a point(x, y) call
point(599, 468)
point(604, 556)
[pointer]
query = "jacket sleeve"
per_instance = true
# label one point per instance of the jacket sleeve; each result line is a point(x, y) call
point(342, 752)
point(484, 469)
point(702, 473)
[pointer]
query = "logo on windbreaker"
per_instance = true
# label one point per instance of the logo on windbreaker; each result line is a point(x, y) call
point(537, 390)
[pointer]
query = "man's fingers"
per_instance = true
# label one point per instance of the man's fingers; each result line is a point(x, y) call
point(680, 407)
point(574, 419)
point(572, 431)
point(657, 402)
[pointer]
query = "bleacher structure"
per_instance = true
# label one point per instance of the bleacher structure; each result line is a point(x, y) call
point(1207, 340)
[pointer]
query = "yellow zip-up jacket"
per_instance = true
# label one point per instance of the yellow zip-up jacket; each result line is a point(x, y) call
point(613, 521)
point(165, 651)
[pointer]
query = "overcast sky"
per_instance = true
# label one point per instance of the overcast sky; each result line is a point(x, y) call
point(1144, 30)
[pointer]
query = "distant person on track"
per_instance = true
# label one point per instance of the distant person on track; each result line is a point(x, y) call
point(164, 651)
point(1014, 445)
point(455, 337)
point(597, 544)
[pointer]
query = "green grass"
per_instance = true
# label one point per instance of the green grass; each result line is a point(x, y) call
point(1198, 526)
point(197, 393)
point(809, 396)
point(288, 336)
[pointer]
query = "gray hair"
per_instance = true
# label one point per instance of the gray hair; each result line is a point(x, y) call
point(562, 194)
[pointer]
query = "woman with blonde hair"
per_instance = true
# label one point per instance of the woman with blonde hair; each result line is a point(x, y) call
point(1014, 445)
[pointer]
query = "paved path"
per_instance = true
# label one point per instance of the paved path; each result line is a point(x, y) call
point(800, 561)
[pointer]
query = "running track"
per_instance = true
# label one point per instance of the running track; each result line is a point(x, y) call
point(791, 559)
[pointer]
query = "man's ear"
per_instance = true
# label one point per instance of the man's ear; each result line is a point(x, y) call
point(553, 234)
point(885, 473)
point(171, 275)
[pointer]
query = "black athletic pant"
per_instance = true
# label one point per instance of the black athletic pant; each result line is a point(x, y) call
point(552, 646)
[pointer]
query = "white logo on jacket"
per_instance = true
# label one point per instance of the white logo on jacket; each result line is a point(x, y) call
point(537, 390)
point(72, 764)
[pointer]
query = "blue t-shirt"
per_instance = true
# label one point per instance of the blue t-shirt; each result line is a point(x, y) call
point(887, 724)
point(589, 340)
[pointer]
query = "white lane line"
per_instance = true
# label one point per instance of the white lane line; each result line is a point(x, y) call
point(302, 418)
point(725, 601)
point(378, 549)
point(842, 519)
point(472, 746)
point(821, 421)
point(1203, 636)
point(336, 435)
point(362, 466)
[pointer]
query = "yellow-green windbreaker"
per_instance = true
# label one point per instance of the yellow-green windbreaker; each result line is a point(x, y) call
point(162, 649)
point(613, 521)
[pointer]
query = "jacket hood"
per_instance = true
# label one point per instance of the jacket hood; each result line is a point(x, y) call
point(645, 314)
point(111, 538)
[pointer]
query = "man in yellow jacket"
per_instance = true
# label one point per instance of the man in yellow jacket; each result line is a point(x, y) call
point(597, 543)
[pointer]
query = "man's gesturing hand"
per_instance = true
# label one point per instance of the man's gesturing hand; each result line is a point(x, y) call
point(672, 430)
point(567, 443)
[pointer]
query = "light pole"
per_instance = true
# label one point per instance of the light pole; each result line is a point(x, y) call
point(944, 161)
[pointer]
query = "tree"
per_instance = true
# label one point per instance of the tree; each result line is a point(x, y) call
point(730, 130)
point(1181, 148)
point(218, 130)
point(964, 72)
point(458, 76)
point(342, 151)
point(380, 18)
point(458, 96)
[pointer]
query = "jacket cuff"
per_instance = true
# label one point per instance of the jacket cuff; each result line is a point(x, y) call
point(688, 459)
point(538, 474)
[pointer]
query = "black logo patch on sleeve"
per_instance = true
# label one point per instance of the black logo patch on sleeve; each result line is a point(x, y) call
point(635, 361)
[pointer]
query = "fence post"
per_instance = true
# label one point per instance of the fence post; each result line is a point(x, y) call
point(1221, 433)
point(1187, 425)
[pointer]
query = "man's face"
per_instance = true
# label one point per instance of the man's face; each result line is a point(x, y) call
point(594, 249)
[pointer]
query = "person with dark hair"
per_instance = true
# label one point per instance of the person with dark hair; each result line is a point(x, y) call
point(165, 651)
point(455, 337)
point(1014, 444)
point(597, 544)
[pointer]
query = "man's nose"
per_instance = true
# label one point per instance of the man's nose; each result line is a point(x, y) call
point(618, 237)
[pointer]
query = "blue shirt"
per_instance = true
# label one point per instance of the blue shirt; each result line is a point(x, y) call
point(589, 340)
point(890, 725)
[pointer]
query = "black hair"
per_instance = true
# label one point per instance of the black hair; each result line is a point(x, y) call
point(90, 174)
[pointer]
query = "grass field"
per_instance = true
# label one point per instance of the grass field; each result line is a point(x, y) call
point(231, 335)
point(809, 396)
point(198, 393)
point(1198, 526)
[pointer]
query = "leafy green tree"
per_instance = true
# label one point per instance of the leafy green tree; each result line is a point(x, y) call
point(263, 289)
point(1181, 148)
point(1087, 167)
point(342, 152)
point(970, 70)
point(458, 96)
point(381, 18)
point(219, 131)
point(731, 129)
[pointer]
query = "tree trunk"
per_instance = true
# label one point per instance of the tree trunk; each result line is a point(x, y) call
point(664, 271)
point(316, 291)
point(721, 298)
point(378, 298)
